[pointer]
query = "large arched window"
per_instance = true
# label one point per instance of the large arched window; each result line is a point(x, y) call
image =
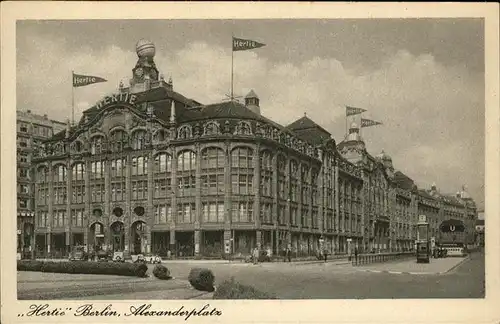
point(78, 172)
point(242, 171)
point(281, 177)
point(97, 145)
point(78, 183)
point(212, 171)
point(139, 182)
point(42, 175)
point(162, 175)
point(294, 181)
point(139, 165)
point(42, 186)
point(97, 188)
point(60, 188)
point(186, 161)
point(186, 173)
point(304, 175)
point(60, 173)
point(266, 174)
point(118, 140)
point(139, 140)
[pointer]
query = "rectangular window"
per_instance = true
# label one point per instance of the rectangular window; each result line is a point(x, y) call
point(118, 191)
point(77, 217)
point(97, 192)
point(185, 213)
point(242, 212)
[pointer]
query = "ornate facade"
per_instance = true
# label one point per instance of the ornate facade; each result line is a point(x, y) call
point(149, 170)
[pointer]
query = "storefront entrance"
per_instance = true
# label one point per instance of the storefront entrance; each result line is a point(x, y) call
point(96, 237)
point(138, 236)
point(117, 237)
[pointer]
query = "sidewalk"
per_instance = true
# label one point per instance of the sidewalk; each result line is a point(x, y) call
point(435, 266)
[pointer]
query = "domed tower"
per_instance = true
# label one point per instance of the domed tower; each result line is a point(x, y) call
point(353, 147)
point(145, 70)
point(387, 162)
point(354, 133)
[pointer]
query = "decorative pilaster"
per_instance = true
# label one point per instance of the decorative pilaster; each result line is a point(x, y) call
point(198, 206)
point(256, 186)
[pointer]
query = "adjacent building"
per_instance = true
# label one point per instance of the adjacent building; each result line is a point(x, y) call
point(147, 170)
point(32, 130)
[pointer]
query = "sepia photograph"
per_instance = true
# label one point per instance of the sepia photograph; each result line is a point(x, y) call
point(207, 159)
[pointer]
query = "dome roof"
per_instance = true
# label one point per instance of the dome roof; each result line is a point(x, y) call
point(384, 157)
point(145, 48)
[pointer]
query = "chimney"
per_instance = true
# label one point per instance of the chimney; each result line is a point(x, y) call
point(28, 111)
point(252, 102)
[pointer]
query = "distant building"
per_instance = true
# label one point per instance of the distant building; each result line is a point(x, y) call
point(480, 230)
point(32, 129)
point(149, 170)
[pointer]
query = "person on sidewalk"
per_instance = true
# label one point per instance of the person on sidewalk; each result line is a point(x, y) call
point(289, 254)
point(255, 255)
point(325, 254)
point(356, 254)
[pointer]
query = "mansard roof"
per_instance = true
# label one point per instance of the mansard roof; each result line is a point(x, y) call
point(403, 181)
point(307, 130)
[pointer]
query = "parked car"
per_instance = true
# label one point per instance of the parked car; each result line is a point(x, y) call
point(78, 254)
point(153, 259)
point(101, 255)
point(118, 256)
point(139, 258)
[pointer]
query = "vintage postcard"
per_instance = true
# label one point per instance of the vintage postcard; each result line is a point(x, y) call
point(249, 162)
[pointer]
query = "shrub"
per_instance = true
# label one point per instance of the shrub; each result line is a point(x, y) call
point(84, 267)
point(29, 265)
point(201, 279)
point(230, 289)
point(161, 272)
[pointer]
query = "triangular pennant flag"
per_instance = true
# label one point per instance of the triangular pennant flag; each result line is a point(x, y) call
point(84, 80)
point(240, 44)
point(354, 111)
point(369, 122)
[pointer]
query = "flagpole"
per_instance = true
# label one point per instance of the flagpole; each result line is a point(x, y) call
point(232, 65)
point(72, 98)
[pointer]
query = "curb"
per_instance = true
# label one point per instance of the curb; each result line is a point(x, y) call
point(416, 273)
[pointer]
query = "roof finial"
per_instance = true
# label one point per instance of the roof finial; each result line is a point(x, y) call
point(305, 114)
point(172, 112)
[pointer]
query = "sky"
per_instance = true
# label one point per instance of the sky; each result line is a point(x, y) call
point(422, 78)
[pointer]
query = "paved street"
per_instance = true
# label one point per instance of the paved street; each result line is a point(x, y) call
point(288, 281)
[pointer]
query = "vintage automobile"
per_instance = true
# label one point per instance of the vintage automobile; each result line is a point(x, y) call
point(101, 256)
point(152, 259)
point(78, 254)
point(118, 256)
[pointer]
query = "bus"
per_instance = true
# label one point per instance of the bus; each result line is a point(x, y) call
point(452, 237)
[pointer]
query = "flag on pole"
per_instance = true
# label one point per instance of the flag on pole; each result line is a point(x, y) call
point(354, 111)
point(240, 44)
point(369, 122)
point(84, 80)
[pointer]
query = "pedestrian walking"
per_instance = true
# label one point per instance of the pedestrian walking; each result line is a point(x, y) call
point(289, 254)
point(356, 254)
point(325, 254)
point(255, 255)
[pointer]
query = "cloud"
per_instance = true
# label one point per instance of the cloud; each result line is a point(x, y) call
point(433, 114)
